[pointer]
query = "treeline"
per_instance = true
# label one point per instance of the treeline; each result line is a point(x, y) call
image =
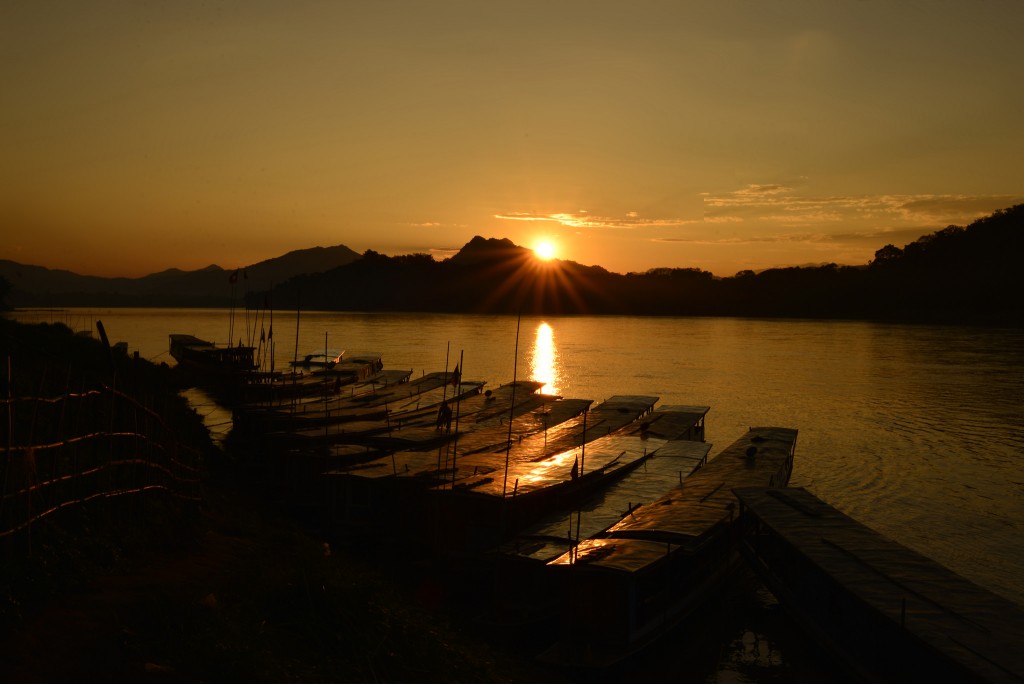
point(958, 274)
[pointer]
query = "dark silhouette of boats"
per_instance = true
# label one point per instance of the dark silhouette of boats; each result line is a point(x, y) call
point(657, 454)
point(627, 586)
point(321, 359)
point(210, 361)
point(481, 510)
point(888, 613)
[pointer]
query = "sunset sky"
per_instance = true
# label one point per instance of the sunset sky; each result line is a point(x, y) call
point(722, 135)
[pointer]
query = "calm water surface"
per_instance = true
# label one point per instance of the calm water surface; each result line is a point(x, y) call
point(917, 431)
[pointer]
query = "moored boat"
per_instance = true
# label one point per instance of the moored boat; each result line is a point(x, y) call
point(628, 585)
point(524, 599)
point(208, 359)
point(320, 359)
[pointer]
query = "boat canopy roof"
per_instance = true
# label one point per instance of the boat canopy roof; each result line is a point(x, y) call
point(622, 555)
point(761, 457)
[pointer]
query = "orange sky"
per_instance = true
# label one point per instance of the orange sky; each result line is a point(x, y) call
point(723, 136)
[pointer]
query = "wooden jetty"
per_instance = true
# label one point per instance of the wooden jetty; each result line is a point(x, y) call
point(888, 613)
point(625, 587)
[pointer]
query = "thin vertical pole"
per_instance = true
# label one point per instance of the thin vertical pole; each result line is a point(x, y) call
point(583, 447)
point(295, 361)
point(458, 411)
point(298, 312)
point(270, 333)
point(444, 396)
point(512, 408)
point(231, 311)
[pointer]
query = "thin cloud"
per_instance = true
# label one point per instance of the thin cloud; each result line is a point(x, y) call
point(584, 219)
point(781, 204)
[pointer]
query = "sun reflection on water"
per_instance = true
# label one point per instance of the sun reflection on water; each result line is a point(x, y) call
point(543, 362)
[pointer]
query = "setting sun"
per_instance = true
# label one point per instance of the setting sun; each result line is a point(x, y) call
point(544, 249)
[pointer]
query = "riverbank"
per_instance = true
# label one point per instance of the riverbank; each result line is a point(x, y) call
point(231, 590)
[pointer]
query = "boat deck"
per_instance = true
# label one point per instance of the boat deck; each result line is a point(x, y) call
point(693, 508)
point(666, 466)
point(490, 436)
point(625, 586)
point(625, 442)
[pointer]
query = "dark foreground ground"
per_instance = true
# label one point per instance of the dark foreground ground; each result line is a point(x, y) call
point(246, 594)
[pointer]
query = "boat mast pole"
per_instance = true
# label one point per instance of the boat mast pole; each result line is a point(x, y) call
point(270, 333)
point(298, 313)
point(444, 395)
point(583, 447)
point(231, 311)
point(458, 410)
point(512, 407)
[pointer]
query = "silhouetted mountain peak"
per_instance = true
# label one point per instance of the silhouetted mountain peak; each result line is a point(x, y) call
point(486, 249)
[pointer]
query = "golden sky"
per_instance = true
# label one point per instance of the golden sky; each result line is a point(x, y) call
point(722, 135)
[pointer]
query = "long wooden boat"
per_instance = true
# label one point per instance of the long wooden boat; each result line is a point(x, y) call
point(207, 359)
point(361, 424)
point(887, 612)
point(319, 359)
point(523, 596)
point(386, 493)
point(331, 408)
point(319, 381)
point(627, 586)
point(485, 509)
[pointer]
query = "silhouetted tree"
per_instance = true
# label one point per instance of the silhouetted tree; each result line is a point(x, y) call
point(887, 255)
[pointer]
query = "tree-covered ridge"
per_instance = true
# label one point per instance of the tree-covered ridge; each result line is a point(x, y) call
point(956, 274)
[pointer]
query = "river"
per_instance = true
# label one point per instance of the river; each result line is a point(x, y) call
point(915, 430)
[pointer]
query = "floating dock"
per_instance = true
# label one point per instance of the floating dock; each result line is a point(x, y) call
point(886, 611)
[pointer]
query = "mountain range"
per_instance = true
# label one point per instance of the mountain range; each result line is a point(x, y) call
point(957, 274)
point(210, 286)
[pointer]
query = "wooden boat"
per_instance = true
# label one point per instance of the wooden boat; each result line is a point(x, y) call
point(373, 401)
point(208, 359)
point(485, 509)
point(627, 586)
point(319, 359)
point(523, 597)
point(888, 613)
point(386, 493)
point(385, 425)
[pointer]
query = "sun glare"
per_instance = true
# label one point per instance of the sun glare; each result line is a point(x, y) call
point(544, 249)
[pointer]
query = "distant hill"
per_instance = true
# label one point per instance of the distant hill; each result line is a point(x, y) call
point(958, 275)
point(210, 286)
